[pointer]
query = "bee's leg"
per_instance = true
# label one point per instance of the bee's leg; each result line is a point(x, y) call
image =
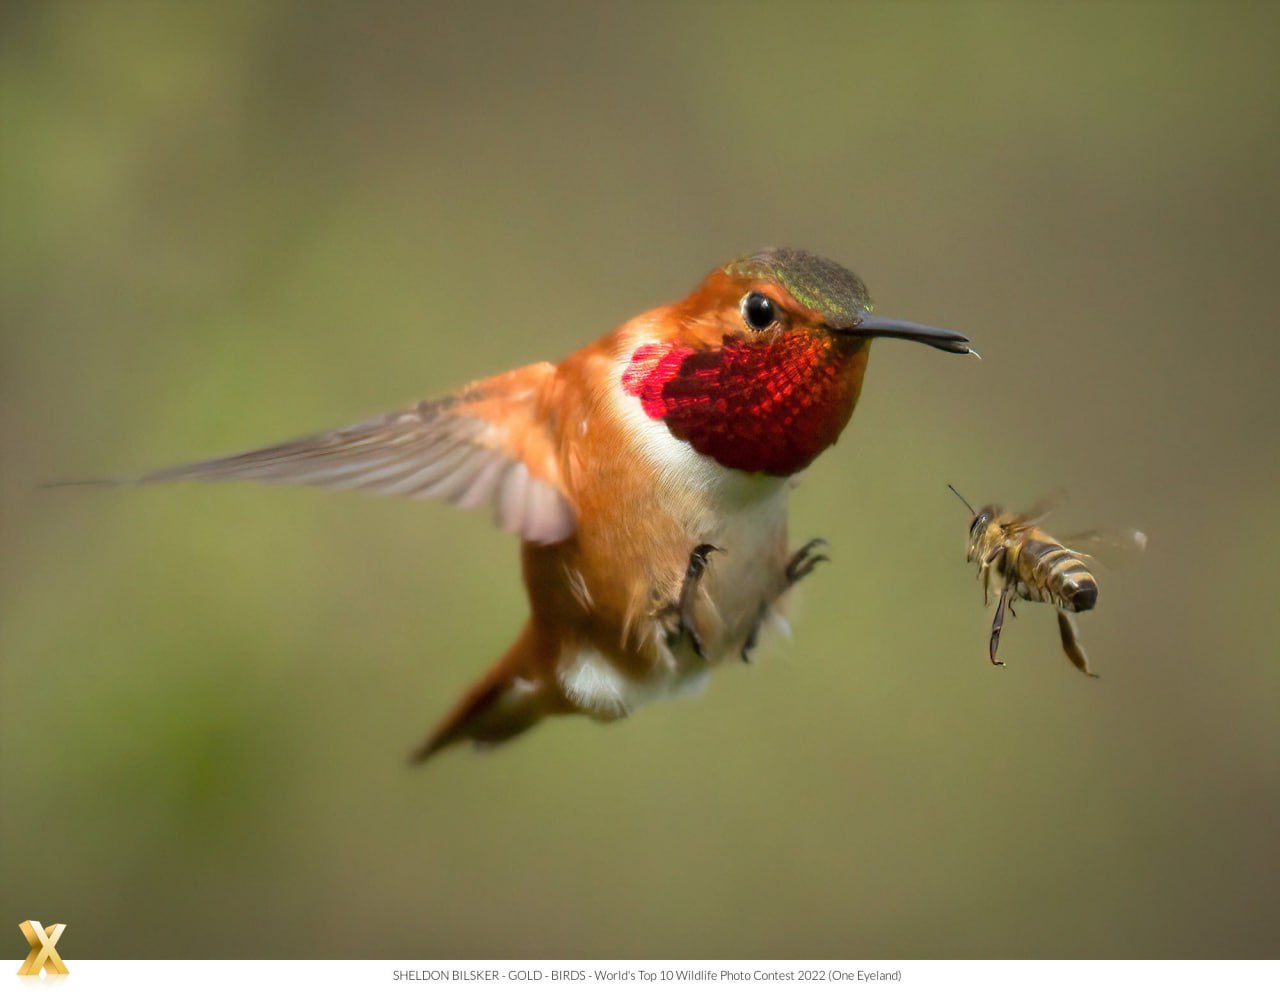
point(1071, 643)
point(997, 624)
point(985, 569)
point(681, 611)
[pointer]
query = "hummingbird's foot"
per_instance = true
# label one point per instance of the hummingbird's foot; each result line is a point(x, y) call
point(754, 636)
point(801, 564)
point(805, 561)
point(682, 609)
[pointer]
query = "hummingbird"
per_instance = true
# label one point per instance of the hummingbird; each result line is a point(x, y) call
point(647, 476)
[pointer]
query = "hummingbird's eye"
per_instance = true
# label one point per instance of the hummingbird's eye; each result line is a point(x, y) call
point(759, 311)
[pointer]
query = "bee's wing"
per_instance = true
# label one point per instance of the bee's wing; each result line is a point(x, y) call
point(488, 443)
point(1111, 546)
point(1043, 507)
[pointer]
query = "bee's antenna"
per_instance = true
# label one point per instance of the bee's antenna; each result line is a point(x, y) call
point(962, 499)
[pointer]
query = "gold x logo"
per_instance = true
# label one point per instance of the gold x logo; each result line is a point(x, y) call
point(42, 953)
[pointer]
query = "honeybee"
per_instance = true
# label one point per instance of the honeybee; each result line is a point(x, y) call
point(1030, 565)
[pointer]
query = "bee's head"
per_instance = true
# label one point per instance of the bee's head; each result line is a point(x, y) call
point(984, 522)
point(985, 526)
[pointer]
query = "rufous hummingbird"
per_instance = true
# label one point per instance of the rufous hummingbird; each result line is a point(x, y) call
point(647, 476)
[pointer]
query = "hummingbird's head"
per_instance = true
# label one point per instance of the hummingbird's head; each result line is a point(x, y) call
point(761, 365)
point(780, 288)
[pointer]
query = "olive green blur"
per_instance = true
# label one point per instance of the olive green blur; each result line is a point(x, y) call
point(227, 224)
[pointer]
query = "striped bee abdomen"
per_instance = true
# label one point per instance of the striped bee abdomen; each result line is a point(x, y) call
point(1046, 572)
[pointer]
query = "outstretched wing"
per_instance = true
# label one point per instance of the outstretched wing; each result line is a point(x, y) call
point(489, 443)
point(1110, 546)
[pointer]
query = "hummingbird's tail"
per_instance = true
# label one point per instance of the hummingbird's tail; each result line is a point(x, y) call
point(505, 701)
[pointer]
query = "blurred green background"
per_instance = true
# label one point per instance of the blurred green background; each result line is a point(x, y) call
point(226, 224)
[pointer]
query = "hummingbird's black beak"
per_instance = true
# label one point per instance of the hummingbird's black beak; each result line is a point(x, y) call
point(872, 325)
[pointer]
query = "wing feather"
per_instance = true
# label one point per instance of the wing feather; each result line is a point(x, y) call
point(490, 443)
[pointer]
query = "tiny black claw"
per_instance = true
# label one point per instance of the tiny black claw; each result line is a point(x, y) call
point(683, 607)
point(817, 542)
point(698, 562)
point(804, 561)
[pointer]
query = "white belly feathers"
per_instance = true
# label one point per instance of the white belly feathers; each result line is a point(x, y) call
point(743, 514)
